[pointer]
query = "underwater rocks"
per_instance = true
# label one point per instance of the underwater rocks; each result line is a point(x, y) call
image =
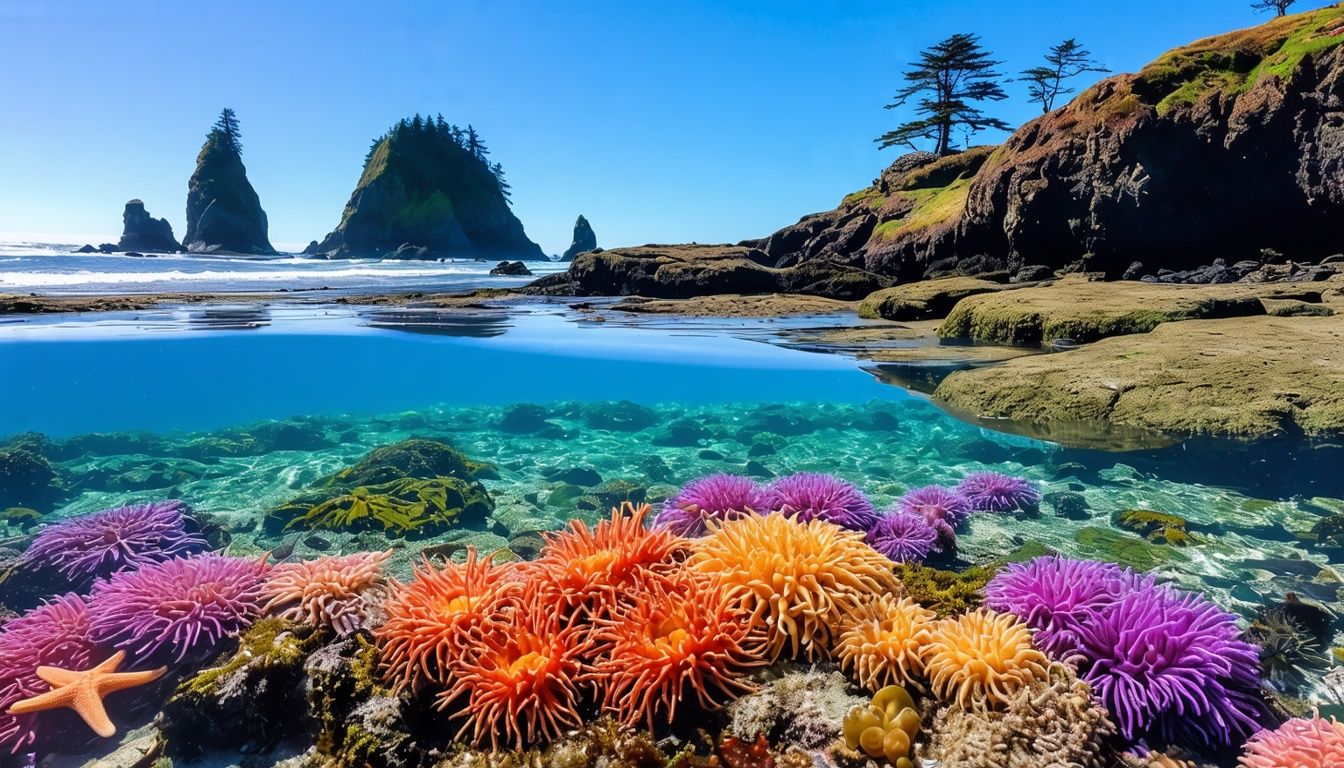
point(584, 240)
point(28, 479)
point(142, 232)
point(1245, 378)
point(410, 458)
point(223, 211)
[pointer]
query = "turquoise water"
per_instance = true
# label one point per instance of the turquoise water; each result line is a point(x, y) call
point(188, 402)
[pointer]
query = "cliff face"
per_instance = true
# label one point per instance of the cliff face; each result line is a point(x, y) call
point(142, 232)
point(423, 188)
point(223, 210)
point(1230, 147)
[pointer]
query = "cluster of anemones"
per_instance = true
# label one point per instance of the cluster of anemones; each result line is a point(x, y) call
point(1169, 665)
point(609, 614)
point(922, 523)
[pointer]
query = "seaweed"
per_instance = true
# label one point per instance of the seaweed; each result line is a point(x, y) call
point(407, 506)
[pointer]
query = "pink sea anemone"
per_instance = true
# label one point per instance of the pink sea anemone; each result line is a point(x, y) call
point(100, 544)
point(997, 492)
point(1299, 743)
point(903, 537)
point(55, 633)
point(178, 610)
point(809, 496)
point(714, 497)
point(944, 508)
point(332, 591)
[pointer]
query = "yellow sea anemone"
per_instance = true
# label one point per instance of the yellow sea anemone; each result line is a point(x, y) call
point(799, 580)
point(882, 644)
point(979, 660)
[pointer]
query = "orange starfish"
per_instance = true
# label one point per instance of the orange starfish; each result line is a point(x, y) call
point(83, 691)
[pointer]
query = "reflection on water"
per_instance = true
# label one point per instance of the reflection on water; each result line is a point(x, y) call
point(229, 318)
point(467, 323)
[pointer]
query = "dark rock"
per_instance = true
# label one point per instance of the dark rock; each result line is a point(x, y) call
point(107, 248)
point(709, 455)
point(584, 240)
point(682, 433)
point(620, 416)
point(223, 210)
point(28, 479)
point(311, 249)
point(511, 268)
point(135, 254)
point(413, 458)
point(142, 232)
point(758, 450)
point(412, 252)
point(1031, 274)
point(86, 248)
point(1133, 272)
point(582, 476)
point(613, 493)
point(317, 543)
point(524, 419)
point(757, 469)
point(422, 187)
point(1068, 504)
point(654, 468)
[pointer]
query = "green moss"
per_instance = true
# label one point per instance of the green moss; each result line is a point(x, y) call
point(942, 591)
point(405, 506)
point(21, 517)
point(270, 643)
point(1160, 527)
point(1116, 547)
point(409, 458)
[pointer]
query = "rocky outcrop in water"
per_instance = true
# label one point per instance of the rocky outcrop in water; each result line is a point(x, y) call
point(428, 192)
point(584, 240)
point(142, 232)
point(223, 210)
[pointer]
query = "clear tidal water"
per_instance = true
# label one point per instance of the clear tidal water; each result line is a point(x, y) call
point(165, 387)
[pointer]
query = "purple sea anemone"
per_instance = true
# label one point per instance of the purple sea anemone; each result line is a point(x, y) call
point(811, 496)
point(55, 633)
point(936, 502)
point(903, 537)
point(716, 497)
point(100, 544)
point(1171, 664)
point(1055, 595)
point(997, 492)
point(177, 610)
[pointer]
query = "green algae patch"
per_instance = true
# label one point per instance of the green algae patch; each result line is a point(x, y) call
point(1158, 527)
point(926, 197)
point(1115, 546)
point(409, 506)
point(1234, 62)
point(924, 300)
point(942, 591)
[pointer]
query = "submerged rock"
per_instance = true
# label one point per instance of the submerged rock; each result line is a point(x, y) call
point(510, 268)
point(142, 232)
point(405, 507)
point(584, 240)
point(416, 458)
point(795, 709)
point(28, 479)
point(223, 210)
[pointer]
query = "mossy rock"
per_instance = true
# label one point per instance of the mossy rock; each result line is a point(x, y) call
point(1117, 547)
point(1159, 527)
point(22, 518)
point(417, 458)
point(28, 479)
point(405, 507)
point(925, 300)
point(945, 592)
point(254, 697)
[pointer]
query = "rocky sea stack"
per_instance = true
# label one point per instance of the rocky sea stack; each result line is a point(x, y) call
point(428, 192)
point(142, 232)
point(584, 240)
point(223, 210)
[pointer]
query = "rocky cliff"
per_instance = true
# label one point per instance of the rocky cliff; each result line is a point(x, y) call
point(223, 210)
point(142, 232)
point(584, 240)
point(1216, 159)
point(427, 192)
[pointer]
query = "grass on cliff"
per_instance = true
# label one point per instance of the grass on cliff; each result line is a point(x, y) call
point(928, 196)
point(1234, 62)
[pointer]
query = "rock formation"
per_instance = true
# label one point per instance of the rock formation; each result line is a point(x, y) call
point(142, 232)
point(428, 192)
point(584, 240)
point(223, 211)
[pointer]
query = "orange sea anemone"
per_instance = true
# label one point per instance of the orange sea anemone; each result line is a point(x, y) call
point(1303, 742)
point(441, 617)
point(585, 573)
point(522, 681)
point(688, 638)
point(980, 659)
point(332, 591)
point(883, 642)
point(798, 580)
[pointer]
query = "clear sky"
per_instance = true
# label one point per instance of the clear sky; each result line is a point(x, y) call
point(659, 121)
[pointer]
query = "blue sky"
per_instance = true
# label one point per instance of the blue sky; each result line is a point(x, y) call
point(661, 122)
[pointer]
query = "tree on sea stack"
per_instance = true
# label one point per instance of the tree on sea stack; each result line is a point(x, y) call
point(1064, 62)
point(226, 128)
point(948, 80)
point(1279, 7)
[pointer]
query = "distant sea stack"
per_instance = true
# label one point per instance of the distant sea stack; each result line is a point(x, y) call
point(223, 211)
point(428, 191)
point(584, 240)
point(142, 232)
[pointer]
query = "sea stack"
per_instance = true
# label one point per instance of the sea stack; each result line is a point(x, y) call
point(428, 191)
point(584, 240)
point(223, 211)
point(142, 232)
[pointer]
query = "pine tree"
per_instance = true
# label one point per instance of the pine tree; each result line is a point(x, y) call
point(417, 123)
point(474, 144)
point(948, 79)
point(226, 130)
point(1064, 62)
point(1279, 7)
point(505, 188)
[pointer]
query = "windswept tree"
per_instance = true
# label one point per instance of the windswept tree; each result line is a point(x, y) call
point(227, 131)
point(948, 80)
point(1063, 63)
point(1279, 7)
